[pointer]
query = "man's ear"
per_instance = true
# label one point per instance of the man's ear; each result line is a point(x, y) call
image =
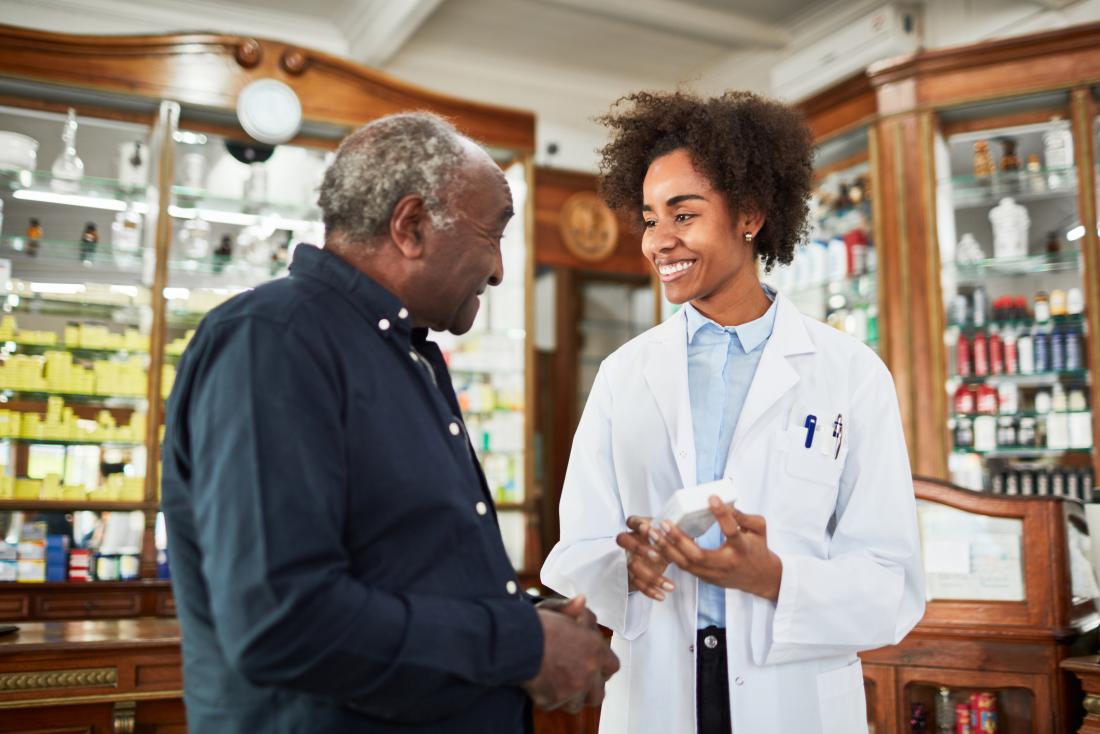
point(407, 225)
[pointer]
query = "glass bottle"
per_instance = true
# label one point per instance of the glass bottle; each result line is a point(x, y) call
point(88, 242)
point(34, 237)
point(68, 168)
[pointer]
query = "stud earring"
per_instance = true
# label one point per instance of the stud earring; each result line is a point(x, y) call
point(748, 237)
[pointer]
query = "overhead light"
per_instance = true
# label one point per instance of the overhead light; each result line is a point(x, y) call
point(1076, 233)
point(91, 202)
point(189, 138)
point(60, 289)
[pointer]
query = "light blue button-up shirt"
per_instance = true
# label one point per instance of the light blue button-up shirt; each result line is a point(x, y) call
point(721, 365)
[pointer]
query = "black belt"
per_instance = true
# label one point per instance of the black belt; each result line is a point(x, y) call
point(712, 691)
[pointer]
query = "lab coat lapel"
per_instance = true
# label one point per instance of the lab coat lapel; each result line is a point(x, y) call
point(774, 375)
point(666, 374)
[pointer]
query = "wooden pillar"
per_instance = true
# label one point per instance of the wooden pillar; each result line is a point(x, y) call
point(1084, 110)
point(911, 309)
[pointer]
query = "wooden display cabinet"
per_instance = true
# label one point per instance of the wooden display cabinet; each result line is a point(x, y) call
point(1025, 605)
point(176, 95)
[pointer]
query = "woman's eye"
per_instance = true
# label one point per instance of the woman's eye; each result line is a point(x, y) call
point(649, 223)
point(683, 217)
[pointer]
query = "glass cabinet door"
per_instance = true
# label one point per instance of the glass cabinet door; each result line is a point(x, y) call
point(833, 276)
point(1012, 276)
point(74, 346)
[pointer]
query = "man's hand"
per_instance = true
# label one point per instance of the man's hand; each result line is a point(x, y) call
point(644, 565)
point(576, 661)
point(743, 562)
point(574, 608)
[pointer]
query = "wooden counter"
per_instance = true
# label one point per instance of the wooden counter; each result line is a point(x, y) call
point(1087, 670)
point(92, 677)
point(122, 677)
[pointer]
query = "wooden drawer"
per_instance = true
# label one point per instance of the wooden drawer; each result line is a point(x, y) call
point(94, 604)
point(14, 605)
point(165, 604)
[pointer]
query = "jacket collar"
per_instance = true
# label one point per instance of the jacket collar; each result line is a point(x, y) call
point(380, 307)
point(666, 374)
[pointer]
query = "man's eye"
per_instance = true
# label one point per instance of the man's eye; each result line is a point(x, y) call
point(649, 223)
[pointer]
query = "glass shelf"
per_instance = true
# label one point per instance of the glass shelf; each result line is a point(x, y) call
point(1019, 451)
point(1038, 378)
point(970, 192)
point(72, 442)
point(71, 505)
point(227, 210)
point(17, 347)
point(1021, 414)
point(1064, 261)
point(106, 401)
point(88, 192)
point(1071, 320)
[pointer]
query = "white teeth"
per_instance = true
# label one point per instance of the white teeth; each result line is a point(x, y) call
point(675, 267)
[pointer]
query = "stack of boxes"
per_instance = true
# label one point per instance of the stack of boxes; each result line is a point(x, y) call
point(57, 552)
point(80, 563)
point(32, 554)
point(9, 562)
point(57, 372)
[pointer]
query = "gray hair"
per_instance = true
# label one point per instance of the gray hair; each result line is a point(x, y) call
point(384, 161)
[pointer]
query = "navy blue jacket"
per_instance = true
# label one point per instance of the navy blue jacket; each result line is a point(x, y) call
point(335, 557)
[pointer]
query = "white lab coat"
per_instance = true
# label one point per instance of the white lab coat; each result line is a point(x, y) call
point(845, 529)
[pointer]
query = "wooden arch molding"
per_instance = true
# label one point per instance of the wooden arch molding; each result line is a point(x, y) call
point(209, 70)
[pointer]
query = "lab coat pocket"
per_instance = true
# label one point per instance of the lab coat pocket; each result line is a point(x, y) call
point(811, 464)
point(841, 701)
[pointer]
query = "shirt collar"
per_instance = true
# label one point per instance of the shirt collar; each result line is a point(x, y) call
point(751, 335)
point(384, 310)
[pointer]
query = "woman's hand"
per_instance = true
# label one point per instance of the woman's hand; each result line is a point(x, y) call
point(743, 561)
point(644, 565)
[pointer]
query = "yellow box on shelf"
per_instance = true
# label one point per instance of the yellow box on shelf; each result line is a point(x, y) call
point(27, 489)
point(176, 346)
point(7, 487)
point(51, 488)
point(11, 424)
point(167, 380)
point(74, 493)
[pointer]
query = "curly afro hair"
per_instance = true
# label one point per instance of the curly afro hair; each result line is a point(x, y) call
point(756, 151)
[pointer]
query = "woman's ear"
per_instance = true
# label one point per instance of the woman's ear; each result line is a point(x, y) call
point(751, 223)
point(407, 223)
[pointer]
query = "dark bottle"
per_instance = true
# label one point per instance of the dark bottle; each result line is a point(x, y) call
point(88, 242)
point(1074, 358)
point(918, 719)
point(1058, 350)
point(223, 253)
point(34, 237)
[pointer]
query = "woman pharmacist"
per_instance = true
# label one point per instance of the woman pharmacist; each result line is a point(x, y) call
point(754, 626)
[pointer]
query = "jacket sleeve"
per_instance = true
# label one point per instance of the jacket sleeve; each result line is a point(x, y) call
point(869, 592)
point(586, 560)
point(269, 485)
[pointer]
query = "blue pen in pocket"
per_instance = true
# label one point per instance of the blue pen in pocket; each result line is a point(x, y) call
point(811, 429)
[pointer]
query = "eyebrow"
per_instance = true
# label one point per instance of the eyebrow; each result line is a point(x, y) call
point(676, 200)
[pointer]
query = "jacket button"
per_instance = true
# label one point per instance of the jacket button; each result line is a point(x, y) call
point(510, 587)
point(384, 324)
point(454, 429)
point(739, 681)
point(403, 313)
point(710, 641)
point(481, 508)
point(691, 648)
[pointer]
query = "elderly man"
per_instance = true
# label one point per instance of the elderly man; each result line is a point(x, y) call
point(336, 559)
